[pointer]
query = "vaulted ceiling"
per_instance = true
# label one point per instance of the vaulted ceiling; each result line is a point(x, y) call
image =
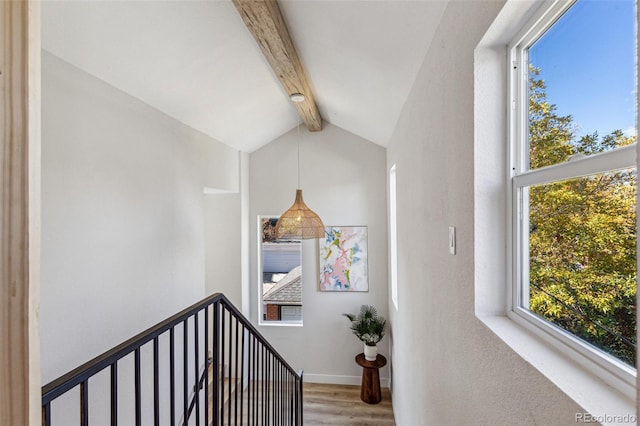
point(197, 62)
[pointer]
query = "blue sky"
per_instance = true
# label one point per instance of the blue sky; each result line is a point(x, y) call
point(587, 61)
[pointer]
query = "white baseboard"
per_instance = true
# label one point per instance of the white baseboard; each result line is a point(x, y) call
point(340, 380)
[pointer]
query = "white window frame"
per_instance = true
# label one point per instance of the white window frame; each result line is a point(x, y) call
point(261, 321)
point(613, 371)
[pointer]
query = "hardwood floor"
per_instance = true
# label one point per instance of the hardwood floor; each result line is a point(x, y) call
point(340, 405)
point(324, 404)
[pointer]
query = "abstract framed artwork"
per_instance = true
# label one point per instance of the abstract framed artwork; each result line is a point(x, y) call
point(343, 259)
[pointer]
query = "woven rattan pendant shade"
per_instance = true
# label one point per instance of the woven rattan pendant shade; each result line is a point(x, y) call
point(299, 221)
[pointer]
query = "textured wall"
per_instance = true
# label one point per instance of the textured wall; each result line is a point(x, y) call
point(448, 368)
point(343, 178)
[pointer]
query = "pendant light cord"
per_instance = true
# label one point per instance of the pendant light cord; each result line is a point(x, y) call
point(298, 154)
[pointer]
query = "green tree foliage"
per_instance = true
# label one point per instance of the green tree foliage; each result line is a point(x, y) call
point(582, 242)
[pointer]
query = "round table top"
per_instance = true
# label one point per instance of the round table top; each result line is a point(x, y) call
point(380, 361)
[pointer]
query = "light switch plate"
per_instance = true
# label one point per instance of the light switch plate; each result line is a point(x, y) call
point(452, 240)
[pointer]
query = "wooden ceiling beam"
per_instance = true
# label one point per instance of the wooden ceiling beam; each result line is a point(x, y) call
point(264, 20)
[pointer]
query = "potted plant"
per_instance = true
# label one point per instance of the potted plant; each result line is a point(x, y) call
point(369, 327)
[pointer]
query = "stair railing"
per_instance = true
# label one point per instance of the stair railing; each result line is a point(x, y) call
point(206, 365)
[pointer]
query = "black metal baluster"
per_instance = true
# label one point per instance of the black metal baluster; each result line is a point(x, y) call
point(274, 385)
point(84, 403)
point(280, 399)
point(286, 395)
point(206, 366)
point(260, 393)
point(295, 402)
point(301, 404)
point(263, 375)
point(216, 364)
point(295, 399)
point(266, 397)
point(274, 381)
point(229, 400)
point(196, 393)
point(114, 394)
point(271, 388)
point(265, 386)
point(290, 397)
point(258, 382)
point(222, 338)
point(156, 383)
point(242, 358)
point(235, 396)
point(296, 391)
point(46, 415)
point(251, 379)
point(255, 380)
point(185, 371)
point(136, 358)
point(289, 400)
point(260, 390)
point(249, 375)
point(292, 378)
point(283, 404)
point(274, 388)
point(172, 376)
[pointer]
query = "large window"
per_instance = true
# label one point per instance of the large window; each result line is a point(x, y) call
point(573, 179)
point(280, 280)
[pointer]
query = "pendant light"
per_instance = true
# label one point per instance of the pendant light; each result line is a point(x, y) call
point(299, 221)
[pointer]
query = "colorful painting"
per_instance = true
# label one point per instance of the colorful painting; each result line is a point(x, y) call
point(343, 259)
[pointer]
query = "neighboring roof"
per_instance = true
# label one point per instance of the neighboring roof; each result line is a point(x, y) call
point(281, 257)
point(288, 291)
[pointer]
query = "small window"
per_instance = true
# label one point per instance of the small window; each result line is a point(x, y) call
point(280, 269)
point(393, 237)
point(574, 179)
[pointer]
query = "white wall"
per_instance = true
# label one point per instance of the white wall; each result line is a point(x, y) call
point(448, 368)
point(122, 225)
point(343, 179)
point(223, 246)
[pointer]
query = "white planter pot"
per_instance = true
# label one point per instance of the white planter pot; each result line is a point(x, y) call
point(370, 352)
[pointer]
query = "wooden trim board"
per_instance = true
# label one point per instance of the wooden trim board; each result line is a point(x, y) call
point(19, 212)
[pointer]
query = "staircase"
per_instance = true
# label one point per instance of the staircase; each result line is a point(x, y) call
point(206, 365)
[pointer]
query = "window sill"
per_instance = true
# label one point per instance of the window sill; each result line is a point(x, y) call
point(280, 323)
point(587, 389)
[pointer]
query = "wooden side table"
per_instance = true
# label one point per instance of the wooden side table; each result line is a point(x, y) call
point(370, 388)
